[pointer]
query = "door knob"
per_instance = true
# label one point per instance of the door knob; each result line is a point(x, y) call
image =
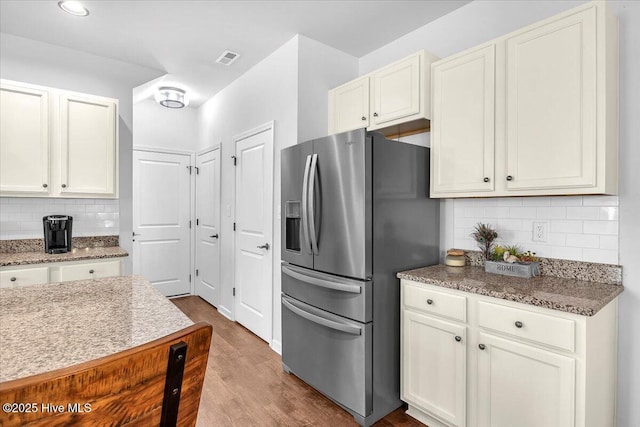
point(215, 236)
point(265, 246)
point(136, 234)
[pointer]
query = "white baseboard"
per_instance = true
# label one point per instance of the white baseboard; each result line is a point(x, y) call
point(226, 312)
point(276, 346)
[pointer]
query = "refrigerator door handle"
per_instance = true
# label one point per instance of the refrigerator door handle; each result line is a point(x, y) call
point(331, 324)
point(312, 188)
point(305, 201)
point(329, 284)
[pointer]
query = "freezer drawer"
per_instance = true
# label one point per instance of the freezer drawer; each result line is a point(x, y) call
point(330, 353)
point(345, 297)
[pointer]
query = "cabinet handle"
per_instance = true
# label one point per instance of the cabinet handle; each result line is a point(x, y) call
point(364, 118)
point(91, 271)
point(375, 114)
point(44, 185)
point(13, 279)
point(64, 185)
point(481, 346)
point(518, 324)
point(509, 178)
point(429, 301)
point(458, 338)
point(486, 179)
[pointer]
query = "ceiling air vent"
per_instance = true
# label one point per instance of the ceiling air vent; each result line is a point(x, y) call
point(227, 57)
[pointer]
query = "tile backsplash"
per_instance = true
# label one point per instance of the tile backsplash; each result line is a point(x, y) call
point(581, 228)
point(21, 218)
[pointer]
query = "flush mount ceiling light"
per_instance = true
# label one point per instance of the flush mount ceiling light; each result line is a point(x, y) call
point(73, 7)
point(171, 97)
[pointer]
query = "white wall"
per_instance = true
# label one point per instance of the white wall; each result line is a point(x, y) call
point(54, 66)
point(481, 21)
point(168, 128)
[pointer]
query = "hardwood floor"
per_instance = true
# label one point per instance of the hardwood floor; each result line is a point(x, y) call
point(246, 386)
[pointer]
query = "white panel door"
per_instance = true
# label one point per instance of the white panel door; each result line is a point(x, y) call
point(254, 211)
point(551, 105)
point(396, 91)
point(349, 106)
point(520, 385)
point(208, 236)
point(24, 140)
point(161, 214)
point(88, 146)
point(434, 366)
point(462, 129)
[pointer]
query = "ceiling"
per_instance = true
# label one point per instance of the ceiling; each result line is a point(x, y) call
point(183, 38)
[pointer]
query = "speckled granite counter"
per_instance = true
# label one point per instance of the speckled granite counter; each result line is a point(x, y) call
point(52, 326)
point(564, 294)
point(77, 254)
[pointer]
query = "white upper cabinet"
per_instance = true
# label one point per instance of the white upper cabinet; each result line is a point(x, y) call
point(392, 100)
point(56, 143)
point(349, 106)
point(555, 120)
point(88, 146)
point(463, 138)
point(24, 140)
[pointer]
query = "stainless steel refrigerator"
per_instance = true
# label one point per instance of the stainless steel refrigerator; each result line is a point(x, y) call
point(355, 211)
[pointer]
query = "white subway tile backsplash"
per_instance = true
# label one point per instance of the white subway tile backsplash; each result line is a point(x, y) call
point(582, 228)
point(21, 218)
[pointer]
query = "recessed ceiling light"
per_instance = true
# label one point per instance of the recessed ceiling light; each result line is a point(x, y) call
point(73, 7)
point(171, 97)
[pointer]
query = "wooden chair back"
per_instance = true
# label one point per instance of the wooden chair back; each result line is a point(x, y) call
point(155, 384)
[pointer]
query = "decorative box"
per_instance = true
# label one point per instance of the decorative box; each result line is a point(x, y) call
point(513, 269)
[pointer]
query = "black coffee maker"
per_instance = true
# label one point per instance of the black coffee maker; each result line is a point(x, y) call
point(57, 233)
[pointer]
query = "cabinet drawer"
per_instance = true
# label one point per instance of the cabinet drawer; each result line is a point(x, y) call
point(546, 329)
point(91, 270)
point(27, 276)
point(435, 302)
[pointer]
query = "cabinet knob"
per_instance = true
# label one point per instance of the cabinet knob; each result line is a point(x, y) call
point(518, 324)
point(13, 279)
point(64, 185)
point(458, 338)
point(481, 346)
point(375, 114)
point(364, 118)
point(486, 179)
point(44, 185)
point(91, 271)
point(509, 178)
point(429, 301)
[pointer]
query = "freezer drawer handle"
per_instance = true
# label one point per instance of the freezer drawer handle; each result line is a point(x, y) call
point(353, 330)
point(344, 287)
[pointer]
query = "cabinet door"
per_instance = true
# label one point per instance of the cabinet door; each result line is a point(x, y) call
point(520, 385)
point(462, 128)
point(551, 105)
point(349, 106)
point(24, 276)
point(88, 146)
point(24, 140)
point(434, 366)
point(396, 91)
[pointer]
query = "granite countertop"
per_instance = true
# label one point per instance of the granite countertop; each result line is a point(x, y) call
point(557, 293)
point(52, 326)
point(76, 254)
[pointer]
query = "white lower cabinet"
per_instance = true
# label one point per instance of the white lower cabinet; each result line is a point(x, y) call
point(59, 272)
point(513, 365)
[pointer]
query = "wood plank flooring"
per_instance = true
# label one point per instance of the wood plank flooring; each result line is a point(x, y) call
point(246, 386)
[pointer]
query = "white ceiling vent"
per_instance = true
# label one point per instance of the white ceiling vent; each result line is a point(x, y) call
point(227, 57)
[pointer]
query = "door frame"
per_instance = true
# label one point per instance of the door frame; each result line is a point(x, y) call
point(217, 146)
point(256, 130)
point(192, 205)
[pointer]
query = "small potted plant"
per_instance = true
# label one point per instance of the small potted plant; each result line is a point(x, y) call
point(511, 261)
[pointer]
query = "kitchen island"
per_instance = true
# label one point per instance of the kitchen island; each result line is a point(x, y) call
point(51, 326)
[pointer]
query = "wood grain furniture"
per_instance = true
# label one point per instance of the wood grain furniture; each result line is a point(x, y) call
point(155, 384)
